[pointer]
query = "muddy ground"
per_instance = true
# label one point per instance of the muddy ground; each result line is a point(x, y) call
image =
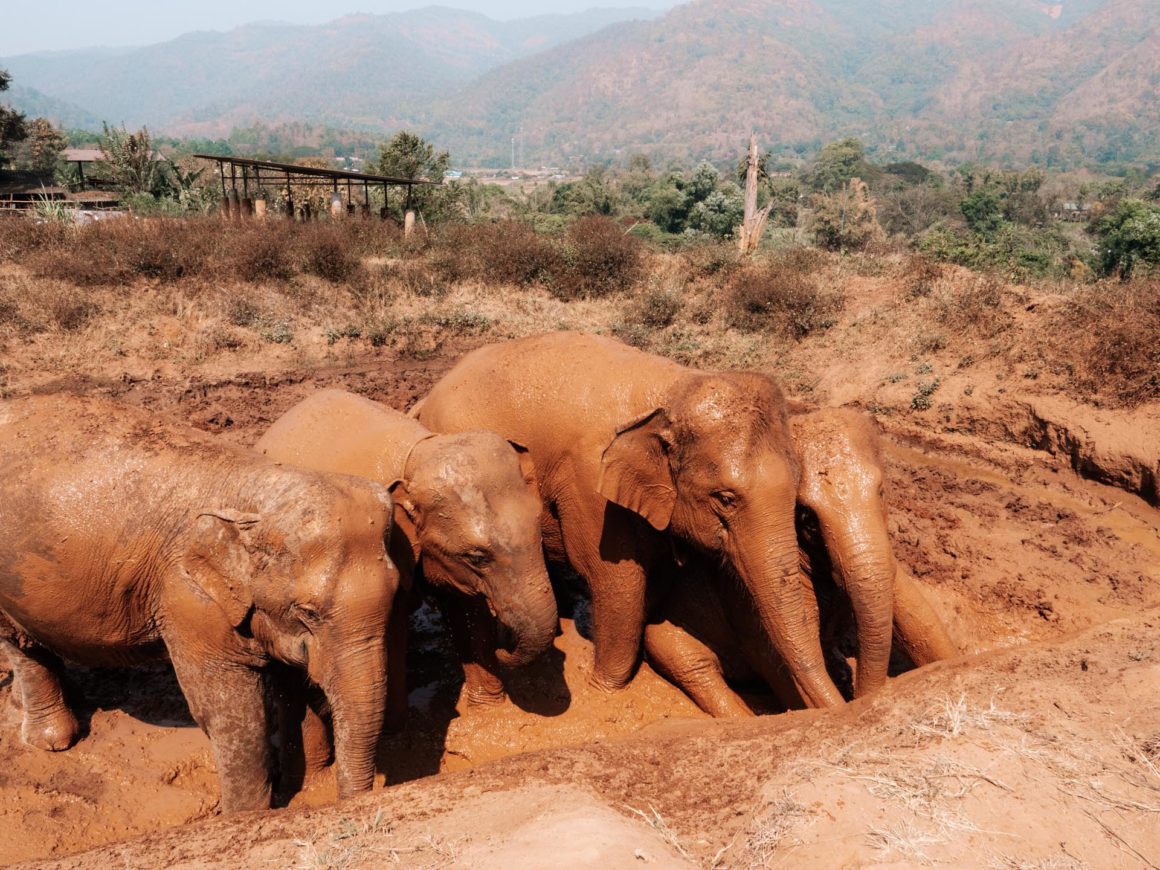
point(1027, 517)
point(1011, 545)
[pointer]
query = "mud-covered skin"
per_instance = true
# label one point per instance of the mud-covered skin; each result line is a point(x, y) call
point(637, 457)
point(705, 634)
point(467, 515)
point(124, 538)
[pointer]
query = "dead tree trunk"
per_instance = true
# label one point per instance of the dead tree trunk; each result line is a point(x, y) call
point(753, 224)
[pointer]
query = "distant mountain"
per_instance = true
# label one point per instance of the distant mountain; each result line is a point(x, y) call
point(968, 79)
point(1060, 83)
point(372, 71)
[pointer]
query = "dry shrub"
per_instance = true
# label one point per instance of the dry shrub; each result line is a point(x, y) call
point(29, 307)
point(707, 259)
point(781, 297)
point(264, 253)
point(974, 307)
point(413, 277)
point(327, 253)
point(1109, 338)
point(920, 274)
point(516, 255)
point(117, 251)
point(656, 308)
point(507, 252)
point(21, 236)
point(597, 258)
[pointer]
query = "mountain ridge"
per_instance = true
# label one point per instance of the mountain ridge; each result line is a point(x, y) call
point(1005, 80)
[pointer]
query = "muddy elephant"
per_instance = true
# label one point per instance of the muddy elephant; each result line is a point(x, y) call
point(640, 461)
point(705, 631)
point(467, 517)
point(124, 538)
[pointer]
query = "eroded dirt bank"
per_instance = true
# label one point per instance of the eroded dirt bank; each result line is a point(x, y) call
point(1008, 541)
point(1044, 755)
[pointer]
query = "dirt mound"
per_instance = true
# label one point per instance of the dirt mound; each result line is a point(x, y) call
point(1047, 754)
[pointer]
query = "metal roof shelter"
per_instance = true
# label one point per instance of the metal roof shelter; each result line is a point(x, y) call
point(241, 171)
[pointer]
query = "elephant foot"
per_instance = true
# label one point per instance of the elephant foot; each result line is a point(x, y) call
point(605, 685)
point(478, 696)
point(52, 732)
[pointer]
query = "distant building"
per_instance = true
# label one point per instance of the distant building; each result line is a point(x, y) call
point(1072, 211)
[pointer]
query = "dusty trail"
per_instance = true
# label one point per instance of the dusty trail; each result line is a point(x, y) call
point(1008, 541)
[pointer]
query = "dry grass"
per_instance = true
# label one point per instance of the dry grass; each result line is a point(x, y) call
point(780, 295)
point(1108, 339)
point(238, 288)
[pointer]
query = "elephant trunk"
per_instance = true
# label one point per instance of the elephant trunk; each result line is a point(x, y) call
point(917, 626)
point(767, 563)
point(357, 690)
point(866, 573)
point(529, 612)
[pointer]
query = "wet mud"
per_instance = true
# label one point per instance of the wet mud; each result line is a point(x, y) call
point(1010, 546)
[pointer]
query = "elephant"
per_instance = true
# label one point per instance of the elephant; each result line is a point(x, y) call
point(125, 538)
point(467, 515)
point(640, 462)
point(705, 631)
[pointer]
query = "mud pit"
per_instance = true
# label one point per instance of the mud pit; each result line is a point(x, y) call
point(1011, 546)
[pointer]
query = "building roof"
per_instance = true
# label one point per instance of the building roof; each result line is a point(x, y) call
point(83, 155)
point(316, 171)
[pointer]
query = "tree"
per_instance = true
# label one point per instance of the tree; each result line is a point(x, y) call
point(41, 149)
point(129, 162)
point(784, 198)
point(407, 155)
point(983, 211)
point(12, 125)
point(1129, 235)
point(719, 213)
point(838, 163)
point(846, 220)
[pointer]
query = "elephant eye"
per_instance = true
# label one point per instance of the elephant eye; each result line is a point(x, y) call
point(307, 615)
point(476, 558)
point(725, 498)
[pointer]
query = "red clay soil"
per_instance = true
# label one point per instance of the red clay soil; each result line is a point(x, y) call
point(1042, 751)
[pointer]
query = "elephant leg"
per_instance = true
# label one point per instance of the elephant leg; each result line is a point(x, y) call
point(397, 631)
point(473, 631)
point(606, 556)
point(917, 626)
point(227, 700)
point(305, 744)
point(48, 723)
point(693, 667)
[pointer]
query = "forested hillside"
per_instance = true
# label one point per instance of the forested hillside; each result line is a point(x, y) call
point(1059, 84)
point(965, 79)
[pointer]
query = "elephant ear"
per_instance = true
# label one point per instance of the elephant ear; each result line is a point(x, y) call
point(406, 515)
point(527, 466)
point(636, 471)
point(221, 558)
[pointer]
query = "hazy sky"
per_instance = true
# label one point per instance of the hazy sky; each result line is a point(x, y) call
point(40, 25)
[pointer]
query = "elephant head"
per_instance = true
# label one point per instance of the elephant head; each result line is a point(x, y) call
point(308, 580)
point(475, 510)
point(714, 466)
point(842, 490)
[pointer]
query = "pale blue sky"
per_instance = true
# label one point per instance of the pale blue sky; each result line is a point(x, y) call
point(43, 25)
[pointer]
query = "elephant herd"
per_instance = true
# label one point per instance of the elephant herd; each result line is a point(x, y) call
point(719, 532)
